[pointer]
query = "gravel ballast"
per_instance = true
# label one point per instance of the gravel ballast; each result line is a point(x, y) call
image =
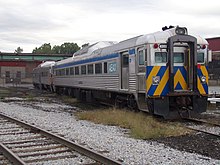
point(109, 140)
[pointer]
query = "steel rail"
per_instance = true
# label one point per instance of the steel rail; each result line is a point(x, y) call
point(76, 147)
point(206, 132)
point(12, 157)
point(203, 122)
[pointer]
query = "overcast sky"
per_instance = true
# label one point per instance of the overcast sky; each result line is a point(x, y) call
point(31, 23)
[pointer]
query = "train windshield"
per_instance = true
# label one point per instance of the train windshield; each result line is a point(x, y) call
point(200, 58)
point(161, 57)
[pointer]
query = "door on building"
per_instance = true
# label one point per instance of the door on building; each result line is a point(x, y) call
point(18, 77)
point(7, 77)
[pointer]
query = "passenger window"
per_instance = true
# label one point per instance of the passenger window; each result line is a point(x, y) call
point(125, 60)
point(90, 69)
point(76, 70)
point(83, 69)
point(105, 67)
point(98, 68)
point(62, 72)
point(67, 71)
point(72, 71)
point(160, 57)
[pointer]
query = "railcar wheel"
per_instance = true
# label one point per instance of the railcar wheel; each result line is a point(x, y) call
point(119, 103)
point(132, 104)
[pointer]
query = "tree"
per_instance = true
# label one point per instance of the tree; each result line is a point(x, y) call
point(66, 48)
point(69, 48)
point(19, 50)
point(43, 49)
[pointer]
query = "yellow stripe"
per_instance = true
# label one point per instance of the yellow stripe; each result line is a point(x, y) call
point(205, 73)
point(179, 78)
point(162, 83)
point(153, 72)
point(200, 87)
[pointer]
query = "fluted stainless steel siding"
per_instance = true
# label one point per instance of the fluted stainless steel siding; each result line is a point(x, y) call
point(132, 83)
point(102, 82)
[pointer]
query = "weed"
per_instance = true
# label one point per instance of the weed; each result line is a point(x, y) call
point(141, 125)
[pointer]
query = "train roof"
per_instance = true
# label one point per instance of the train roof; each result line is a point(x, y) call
point(46, 64)
point(87, 50)
point(109, 47)
point(162, 37)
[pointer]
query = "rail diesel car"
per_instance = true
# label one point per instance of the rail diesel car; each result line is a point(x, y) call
point(164, 73)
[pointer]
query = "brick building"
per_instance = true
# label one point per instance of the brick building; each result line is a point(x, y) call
point(214, 66)
point(19, 66)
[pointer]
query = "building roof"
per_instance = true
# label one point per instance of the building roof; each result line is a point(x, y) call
point(214, 43)
point(33, 57)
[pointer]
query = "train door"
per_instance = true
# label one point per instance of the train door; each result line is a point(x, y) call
point(141, 69)
point(191, 63)
point(124, 70)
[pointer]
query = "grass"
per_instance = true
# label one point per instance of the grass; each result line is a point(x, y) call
point(141, 125)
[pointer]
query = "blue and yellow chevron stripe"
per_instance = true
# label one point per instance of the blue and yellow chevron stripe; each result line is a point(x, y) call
point(180, 80)
point(202, 87)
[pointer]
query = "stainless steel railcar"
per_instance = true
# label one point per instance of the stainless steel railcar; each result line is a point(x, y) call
point(163, 72)
point(42, 75)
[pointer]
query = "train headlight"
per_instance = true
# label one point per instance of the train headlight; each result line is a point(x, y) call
point(203, 79)
point(181, 30)
point(156, 80)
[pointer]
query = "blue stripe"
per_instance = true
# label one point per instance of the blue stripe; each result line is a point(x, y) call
point(182, 70)
point(154, 87)
point(152, 90)
point(148, 70)
point(199, 72)
point(166, 89)
point(132, 51)
point(161, 71)
point(95, 59)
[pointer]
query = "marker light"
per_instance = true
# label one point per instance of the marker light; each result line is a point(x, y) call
point(156, 46)
point(203, 46)
point(203, 79)
point(156, 80)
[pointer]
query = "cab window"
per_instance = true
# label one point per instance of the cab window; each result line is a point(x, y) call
point(160, 57)
point(200, 58)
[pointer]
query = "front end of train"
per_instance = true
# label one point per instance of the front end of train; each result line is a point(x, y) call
point(177, 77)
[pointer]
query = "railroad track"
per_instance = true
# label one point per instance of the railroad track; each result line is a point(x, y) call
point(22, 143)
point(203, 122)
